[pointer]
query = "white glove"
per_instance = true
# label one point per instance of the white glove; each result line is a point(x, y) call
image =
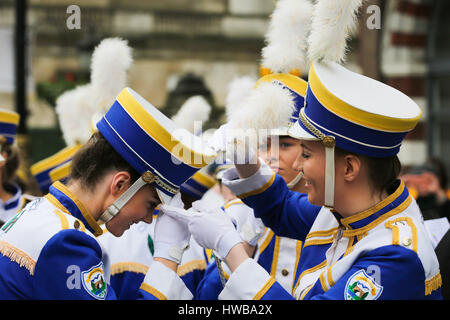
point(250, 228)
point(218, 141)
point(234, 145)
point(172, 236)
point(211, 229)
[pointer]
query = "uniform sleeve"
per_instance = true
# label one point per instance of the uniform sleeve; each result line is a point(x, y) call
point(192, 279)
point(126, 284)
point(162, 283)
point(250, 281)
point(70, 267)
point(287, 213)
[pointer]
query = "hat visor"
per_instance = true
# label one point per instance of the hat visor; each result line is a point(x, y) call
point(164, 198)
point(296, 131)
point(282, 131)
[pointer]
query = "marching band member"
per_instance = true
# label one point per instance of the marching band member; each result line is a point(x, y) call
point(132, 254)
point(129, 255)
point(277, 255)
point(282, 63)
point(12, 198)
point(368, 241)
point(119, 176)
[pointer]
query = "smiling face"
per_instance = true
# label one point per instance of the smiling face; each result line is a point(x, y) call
point(139, 208)
point(282, 163)
point(311, 161)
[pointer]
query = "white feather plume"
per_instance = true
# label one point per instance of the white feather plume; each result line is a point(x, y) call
point(333, 22)
point(267, 107)
point(238, 90)
point(287, 36)
point(109, 65)
point(196, 108)
point(72, 108)
point(75, 108)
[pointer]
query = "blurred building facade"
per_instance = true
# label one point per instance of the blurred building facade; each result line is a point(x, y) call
point(204, 44)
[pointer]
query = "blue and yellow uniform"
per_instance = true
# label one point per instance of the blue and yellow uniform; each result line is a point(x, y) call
point(132, 254)
point(62, 258)
point(381, 253)
point(9, 120)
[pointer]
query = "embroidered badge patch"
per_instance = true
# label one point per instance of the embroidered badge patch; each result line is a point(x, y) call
point(94, 281)
point(361, 286)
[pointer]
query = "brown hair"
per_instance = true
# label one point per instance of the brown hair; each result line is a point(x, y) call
point(382, 172)
point(95, 159)
point(187, 200)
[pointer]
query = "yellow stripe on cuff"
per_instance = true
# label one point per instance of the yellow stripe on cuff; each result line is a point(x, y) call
point(148, 288)
point(264, 289)
point(259, 190)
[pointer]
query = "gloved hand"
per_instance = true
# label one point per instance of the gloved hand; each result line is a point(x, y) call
point(250, 228)
point(218, 141)
point(172, 235)
point(211, 228)
point(234, 145)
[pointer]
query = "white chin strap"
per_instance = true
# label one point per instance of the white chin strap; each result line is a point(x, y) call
point(146, 178)
point(115, 208)
point(295, 180)
point(329, 177)
point(329, 142)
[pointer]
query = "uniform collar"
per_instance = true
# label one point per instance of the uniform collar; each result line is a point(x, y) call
point(64, 199)
point(369, 218)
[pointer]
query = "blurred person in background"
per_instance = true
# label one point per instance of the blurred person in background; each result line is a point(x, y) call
point(428, 185)
point(12, 198)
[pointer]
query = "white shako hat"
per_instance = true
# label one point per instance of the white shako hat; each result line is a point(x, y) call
point(163, 153)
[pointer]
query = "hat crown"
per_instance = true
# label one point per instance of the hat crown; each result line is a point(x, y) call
point(363, 115)
point(150, 141)
point(363, 93)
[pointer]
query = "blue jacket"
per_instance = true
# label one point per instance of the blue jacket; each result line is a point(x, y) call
point(49, 250)
point(381, 253)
